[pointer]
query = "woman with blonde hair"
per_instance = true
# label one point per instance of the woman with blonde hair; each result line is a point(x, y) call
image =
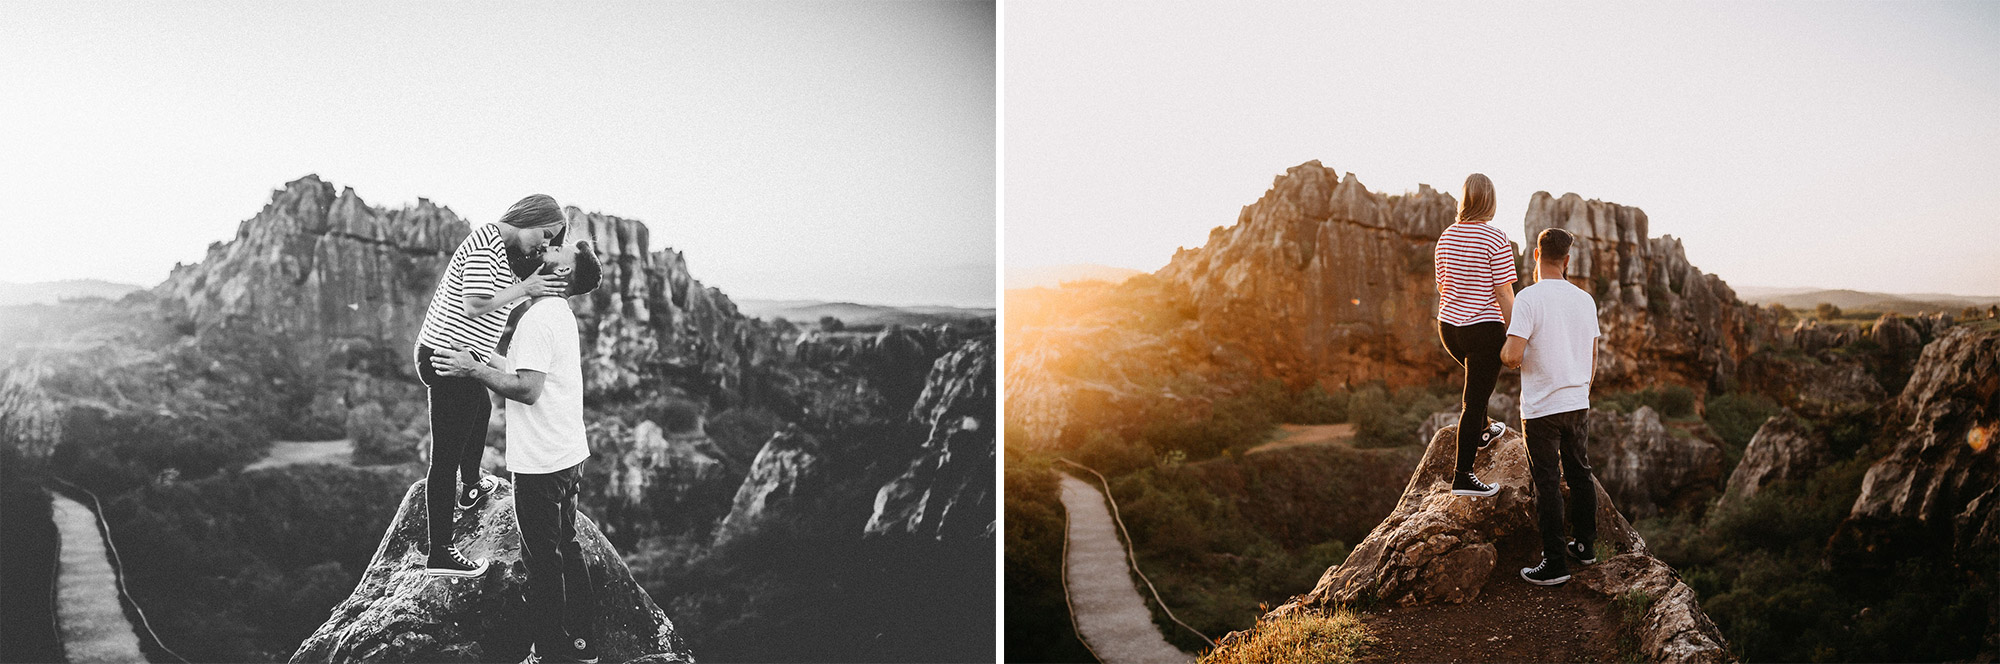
point(1475, 282)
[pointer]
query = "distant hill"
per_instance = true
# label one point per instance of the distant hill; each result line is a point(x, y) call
point(1853, 300)
point(859, 314)
point(48, 292)
point(1051, 276)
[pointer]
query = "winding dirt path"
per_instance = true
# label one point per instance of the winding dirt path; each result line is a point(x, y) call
point(1291, 435)
point(287, 453)
point(94, 627)
point(1110, 616)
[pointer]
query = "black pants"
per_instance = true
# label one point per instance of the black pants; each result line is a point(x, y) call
point(1477, 348)
point(1562, 436)
point(459, 409)
point(558, 581)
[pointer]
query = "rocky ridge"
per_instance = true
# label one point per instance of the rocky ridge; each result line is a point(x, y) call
point(1437, 549)
point(947, 491)
point(1663, 320)
point(399, 614)
point(1936, 489)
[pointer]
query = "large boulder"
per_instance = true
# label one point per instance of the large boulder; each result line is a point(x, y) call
point(1782, 449)
point(1437, 548)
point(1646, 467)
point(947, 492)
point(784, 481)
point(1937, 487)
point(399, 614)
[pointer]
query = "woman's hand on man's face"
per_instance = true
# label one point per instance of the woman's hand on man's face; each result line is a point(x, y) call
point(542, 285)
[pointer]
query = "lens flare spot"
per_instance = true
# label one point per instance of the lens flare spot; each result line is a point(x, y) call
point(1979, 437)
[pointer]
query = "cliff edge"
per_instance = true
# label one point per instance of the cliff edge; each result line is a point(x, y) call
point(398, 614)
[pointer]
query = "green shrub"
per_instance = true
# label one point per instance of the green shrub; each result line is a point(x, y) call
point(1671, 402)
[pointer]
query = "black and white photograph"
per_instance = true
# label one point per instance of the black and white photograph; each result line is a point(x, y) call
point(470, 332)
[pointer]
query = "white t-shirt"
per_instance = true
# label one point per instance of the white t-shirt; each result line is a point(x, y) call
point(548, 436)
point(1559, 321)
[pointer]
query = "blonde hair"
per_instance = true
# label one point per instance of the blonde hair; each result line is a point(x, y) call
point(1477, 201)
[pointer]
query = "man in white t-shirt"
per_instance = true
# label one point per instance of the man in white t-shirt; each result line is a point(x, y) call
point(1553, 341)
point(540, 372)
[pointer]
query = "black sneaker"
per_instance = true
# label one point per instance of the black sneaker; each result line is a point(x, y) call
point(454, 564)
point(477, 492)
point(1583, 554)
point(1492, 433)
point(1545, 574)
point(1468, 485)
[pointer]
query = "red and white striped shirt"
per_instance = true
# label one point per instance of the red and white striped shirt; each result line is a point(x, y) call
point(1472, 257)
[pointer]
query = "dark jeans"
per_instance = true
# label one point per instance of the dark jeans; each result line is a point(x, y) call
point(559, 584)
point(459, 409)
point(1477, 348)
point(1561, 437)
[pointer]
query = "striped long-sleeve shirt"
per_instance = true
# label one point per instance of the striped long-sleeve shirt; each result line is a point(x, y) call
point(477, 268)
point(1472, 258)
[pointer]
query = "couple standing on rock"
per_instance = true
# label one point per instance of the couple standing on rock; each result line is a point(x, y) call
point(1549, 332)
point(500, 320)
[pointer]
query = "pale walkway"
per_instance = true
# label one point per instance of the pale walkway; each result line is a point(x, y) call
point(1110, 616)
point(94, 628)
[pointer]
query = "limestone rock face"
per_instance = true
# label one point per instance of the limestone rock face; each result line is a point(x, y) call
point(659, 482)
point(1813, 337)
point(1323, 280)
point(1782, 449)
point(398, 614)
point(1644, 467)
point(1437, 548)
point(1663, 320)
point(947, 492)
point(651, 319)
point(1937, 487)
point(1894, 332)
point(1814, 387)
point(321, 264)
point(786, 475)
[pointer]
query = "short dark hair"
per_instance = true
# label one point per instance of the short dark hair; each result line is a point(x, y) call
point(584, 278)
point(1554, 243)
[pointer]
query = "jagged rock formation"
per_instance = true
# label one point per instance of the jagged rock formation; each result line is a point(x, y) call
point(1438, 548)
point(1782, 449)
point(1664, 321)
point(782, 481)
point(947, 492)
point(1813, 387)
point(321, 264)
point(660, 482)
point(1937, 487)
point(398, 614)
point(650, 318)
point(1323, 280)
point(1645, 467)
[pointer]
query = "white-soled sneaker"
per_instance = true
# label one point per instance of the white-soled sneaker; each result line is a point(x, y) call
point(1469, 485)
point(453, 564)
point(1493, 432)
point(1545, 574)
point(1583, 554)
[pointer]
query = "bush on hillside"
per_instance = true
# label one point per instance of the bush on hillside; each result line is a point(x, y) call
point(1300, 638)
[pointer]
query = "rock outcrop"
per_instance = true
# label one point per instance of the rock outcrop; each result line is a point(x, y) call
point(1663, 320)
point(321, 264)
point(1439, 548)
point(398, 614)
point(1782, 449)
point(1811, 386)
point(1321, 280)
point(947, 492)
point(1937, 486)
point(1645, 467)
point(783, 480)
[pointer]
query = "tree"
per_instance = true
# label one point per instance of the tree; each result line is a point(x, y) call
point(1826, 311)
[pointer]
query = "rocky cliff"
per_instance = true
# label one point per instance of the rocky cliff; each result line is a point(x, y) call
point(1437, 550)
point(398, 614)
point(320, 263)
point(1322, 280)
point(947, 492)
point(1782, 449)
point(1663, 320)
point(1936, 489)
point(1648, 468)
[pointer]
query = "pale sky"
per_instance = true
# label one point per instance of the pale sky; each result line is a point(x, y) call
point(825, 150)
point(1817, 144)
